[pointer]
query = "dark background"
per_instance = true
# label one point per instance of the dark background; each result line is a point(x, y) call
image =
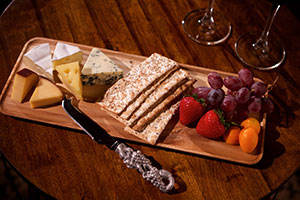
point(293, 5)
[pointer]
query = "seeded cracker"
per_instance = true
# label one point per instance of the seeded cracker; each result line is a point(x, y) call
point(144, 121)
point(153, 130)
point(160, 92)
point(136, 104)
point(147, 97)
point(118, 97)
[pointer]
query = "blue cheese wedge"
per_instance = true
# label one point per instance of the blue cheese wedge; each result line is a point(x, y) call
point(65, 53)
point(39, 60)
point(100, 70)
point(98, 74)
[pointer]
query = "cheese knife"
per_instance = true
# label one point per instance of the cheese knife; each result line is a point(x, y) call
point(160, 178)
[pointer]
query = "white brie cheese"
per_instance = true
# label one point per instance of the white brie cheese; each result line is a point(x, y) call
point(39, 59)
point(63, 50)
point(65, 53)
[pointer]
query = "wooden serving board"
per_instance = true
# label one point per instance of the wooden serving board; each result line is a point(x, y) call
point(175, 136)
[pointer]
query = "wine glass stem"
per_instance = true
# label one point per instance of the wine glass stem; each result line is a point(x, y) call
point(210, 7)
point(262, 41)
point(207, 22)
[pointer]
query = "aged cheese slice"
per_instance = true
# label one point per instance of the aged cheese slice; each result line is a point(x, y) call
point(24, 81)
point(94, 93)
point(65, 53)
point(46, 93)
point(139, 78)
point(70, 76)
point(39, 60)
point(98, 74)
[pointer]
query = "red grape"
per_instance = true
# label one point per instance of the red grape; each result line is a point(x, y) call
point(230, 115)
point(215, 80)
point(229, 92)
point(254, 104)
point(242, 95)
point(267, 105)
point(201, 92)
point(242, 112)
point(228, 104)
point(259, 89)
point(246, 77)
point(233, 83)
point(215, 97)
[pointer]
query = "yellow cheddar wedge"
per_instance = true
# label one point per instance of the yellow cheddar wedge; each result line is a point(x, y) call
point(70, 76)
point(46, 93)
point(24, 81)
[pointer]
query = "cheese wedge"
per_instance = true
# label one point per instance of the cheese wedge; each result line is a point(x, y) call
point(39, 60)
point(98, 74)
point(24, 81)
point(70, 76)
point(93, 93)
point(65, 53)
point(46, 93)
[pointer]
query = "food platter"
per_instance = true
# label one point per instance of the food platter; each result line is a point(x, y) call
point(174, 137)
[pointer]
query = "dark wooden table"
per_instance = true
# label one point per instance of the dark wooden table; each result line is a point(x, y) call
point(68, 165)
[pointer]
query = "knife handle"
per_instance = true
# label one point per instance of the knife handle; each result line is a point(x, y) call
point(137, 160)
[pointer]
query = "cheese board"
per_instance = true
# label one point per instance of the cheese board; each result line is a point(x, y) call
point(174, 137)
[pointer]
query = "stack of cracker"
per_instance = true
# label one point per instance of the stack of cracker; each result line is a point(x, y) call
point(146, 98)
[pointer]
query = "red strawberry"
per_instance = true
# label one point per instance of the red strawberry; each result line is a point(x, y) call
point(211, 125)
point(190, 110)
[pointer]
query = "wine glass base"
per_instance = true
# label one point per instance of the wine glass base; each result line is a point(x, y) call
point(194, 30)
point(256, 58)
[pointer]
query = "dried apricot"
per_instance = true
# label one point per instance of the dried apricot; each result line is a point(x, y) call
point(248, 139)
point(251, 122)
point(232, 135)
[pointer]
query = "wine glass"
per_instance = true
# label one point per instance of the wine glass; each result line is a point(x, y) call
point(259, 51)
point(206, 26)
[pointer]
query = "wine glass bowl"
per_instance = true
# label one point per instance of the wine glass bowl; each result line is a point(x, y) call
point(259, 54)
point(206, 26)
point(204, 29)
point(258, 50)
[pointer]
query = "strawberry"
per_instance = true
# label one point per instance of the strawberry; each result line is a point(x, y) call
point(191, 109)
point(211, 125)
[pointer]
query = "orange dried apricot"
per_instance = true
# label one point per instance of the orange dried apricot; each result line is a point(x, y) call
point(232, 135)
point(251, 123)
point(248, 139)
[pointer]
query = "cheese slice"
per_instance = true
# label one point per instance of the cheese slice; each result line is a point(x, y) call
point(70, 76)
point(39, 60)
point(98, 74)
point(24, 81)
point(65, 53)
point(100, 70)
point(93, 93)
point(46, 93)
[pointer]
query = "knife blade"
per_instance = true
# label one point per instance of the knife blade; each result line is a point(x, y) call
point(160, 178)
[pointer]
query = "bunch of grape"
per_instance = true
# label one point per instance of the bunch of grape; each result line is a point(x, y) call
point(243, 95)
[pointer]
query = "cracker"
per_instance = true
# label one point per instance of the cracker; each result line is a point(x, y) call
point(161, 92)
point(142, 123)
point(126, 90)
point(155, 128)
point(135, 105)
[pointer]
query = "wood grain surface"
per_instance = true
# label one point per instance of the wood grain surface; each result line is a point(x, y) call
point(66, 164)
